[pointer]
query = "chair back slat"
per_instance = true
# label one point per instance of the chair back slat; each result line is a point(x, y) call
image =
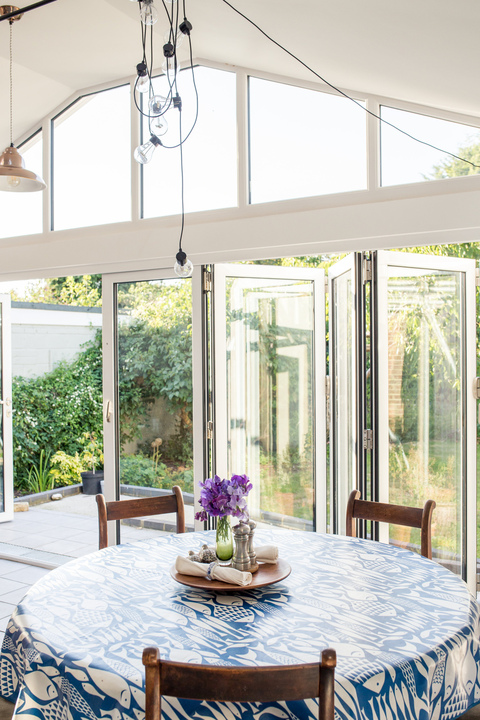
point(139, 507)
point(124, 509)
point(394, 514)
point(383, 512)
point(239, 684)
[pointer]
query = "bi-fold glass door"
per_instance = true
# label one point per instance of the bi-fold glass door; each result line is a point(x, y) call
point(343, 388)
point(413, 378)
point(402, 360)
point(269, 389)
point(148, 392)
point(249, 399)
point(425, 315)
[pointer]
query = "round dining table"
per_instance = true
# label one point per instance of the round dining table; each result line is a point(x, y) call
point(405, 629)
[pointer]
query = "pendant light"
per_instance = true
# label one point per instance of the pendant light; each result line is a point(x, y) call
point(155, 106)
point(13, 175)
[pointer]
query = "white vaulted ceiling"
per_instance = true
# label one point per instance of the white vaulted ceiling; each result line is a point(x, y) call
point(425, 52)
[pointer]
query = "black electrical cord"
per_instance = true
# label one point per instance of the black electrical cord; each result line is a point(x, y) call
point(171, 60)
point(172, 147)
point(172, 81)
point(345, 95)
point(182, 181)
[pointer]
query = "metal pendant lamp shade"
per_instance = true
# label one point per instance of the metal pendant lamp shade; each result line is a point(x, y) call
point(13, 175)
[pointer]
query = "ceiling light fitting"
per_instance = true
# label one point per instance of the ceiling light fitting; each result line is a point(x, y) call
point(13, 175)
point(16, 13)
point(153, 107)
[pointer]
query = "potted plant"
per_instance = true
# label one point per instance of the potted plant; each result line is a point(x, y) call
point(82, 467)
point(91, 456)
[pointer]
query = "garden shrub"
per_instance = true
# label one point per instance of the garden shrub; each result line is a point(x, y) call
point(142, 471)
point(53, 411)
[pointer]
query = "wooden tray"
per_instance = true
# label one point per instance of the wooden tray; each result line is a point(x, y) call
point(267, 574)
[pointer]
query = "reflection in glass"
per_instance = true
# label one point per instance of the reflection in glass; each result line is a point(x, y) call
point(270, 396)
point(343, 394)
point(425, 378)
point(154, 350)
point(92, 160)
point(322, 151)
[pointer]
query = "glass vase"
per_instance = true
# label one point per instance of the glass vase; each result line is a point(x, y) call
point(224, 540)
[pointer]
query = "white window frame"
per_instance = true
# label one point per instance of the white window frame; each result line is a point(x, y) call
point(374, 192)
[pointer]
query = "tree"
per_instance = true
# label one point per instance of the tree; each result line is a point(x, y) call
point(454, 167)
point(83, 290)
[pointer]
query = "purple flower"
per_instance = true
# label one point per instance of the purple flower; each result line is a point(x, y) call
point(219, 498)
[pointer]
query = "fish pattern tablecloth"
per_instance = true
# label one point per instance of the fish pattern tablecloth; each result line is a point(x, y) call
point(406, 632)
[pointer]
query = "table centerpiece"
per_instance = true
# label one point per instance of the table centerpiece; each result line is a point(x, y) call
point(224, 499)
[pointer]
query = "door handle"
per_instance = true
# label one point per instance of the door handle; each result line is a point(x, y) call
point(7, 403)
point(108, 411)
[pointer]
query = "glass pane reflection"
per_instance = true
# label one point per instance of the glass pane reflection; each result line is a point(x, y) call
point(425, 379)
point(269, 396)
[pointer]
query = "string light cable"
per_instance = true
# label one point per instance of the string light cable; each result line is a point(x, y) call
point(158, 105)
point(344, 94)
point(183, 266)
point(153, 107)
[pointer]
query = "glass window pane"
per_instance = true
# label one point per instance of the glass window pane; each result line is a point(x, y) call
point(22, 213)
point(269, 337)
point(303, 143)
point(425, 412)
point(209, 154)
point(405, 161)
point(92, 161)
point(343, 404)
point(154, 352)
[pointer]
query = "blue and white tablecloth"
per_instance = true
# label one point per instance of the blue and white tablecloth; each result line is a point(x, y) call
point(406, 632)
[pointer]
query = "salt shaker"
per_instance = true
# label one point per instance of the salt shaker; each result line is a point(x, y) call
point(241, 558)
point(253, 558)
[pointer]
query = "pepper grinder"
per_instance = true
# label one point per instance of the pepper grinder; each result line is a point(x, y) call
point(241, 558)
point(253, 558)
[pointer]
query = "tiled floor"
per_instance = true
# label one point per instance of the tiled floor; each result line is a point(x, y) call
point(56, 532)
point(15, 580)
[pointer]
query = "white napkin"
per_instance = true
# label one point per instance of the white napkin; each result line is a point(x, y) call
point(225, 574)
point(267, 554)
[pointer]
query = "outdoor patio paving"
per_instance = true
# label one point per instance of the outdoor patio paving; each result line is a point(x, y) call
point(57, 531)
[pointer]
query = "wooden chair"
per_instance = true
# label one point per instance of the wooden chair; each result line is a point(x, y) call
point(395, 514)
point(239, 684)
point(122, 509)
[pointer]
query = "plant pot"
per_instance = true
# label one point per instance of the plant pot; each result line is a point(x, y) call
point(92, 483)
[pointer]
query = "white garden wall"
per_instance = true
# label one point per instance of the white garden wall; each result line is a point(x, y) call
point(43, 335)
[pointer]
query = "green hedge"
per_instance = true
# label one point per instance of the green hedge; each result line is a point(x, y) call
point(51, 412)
